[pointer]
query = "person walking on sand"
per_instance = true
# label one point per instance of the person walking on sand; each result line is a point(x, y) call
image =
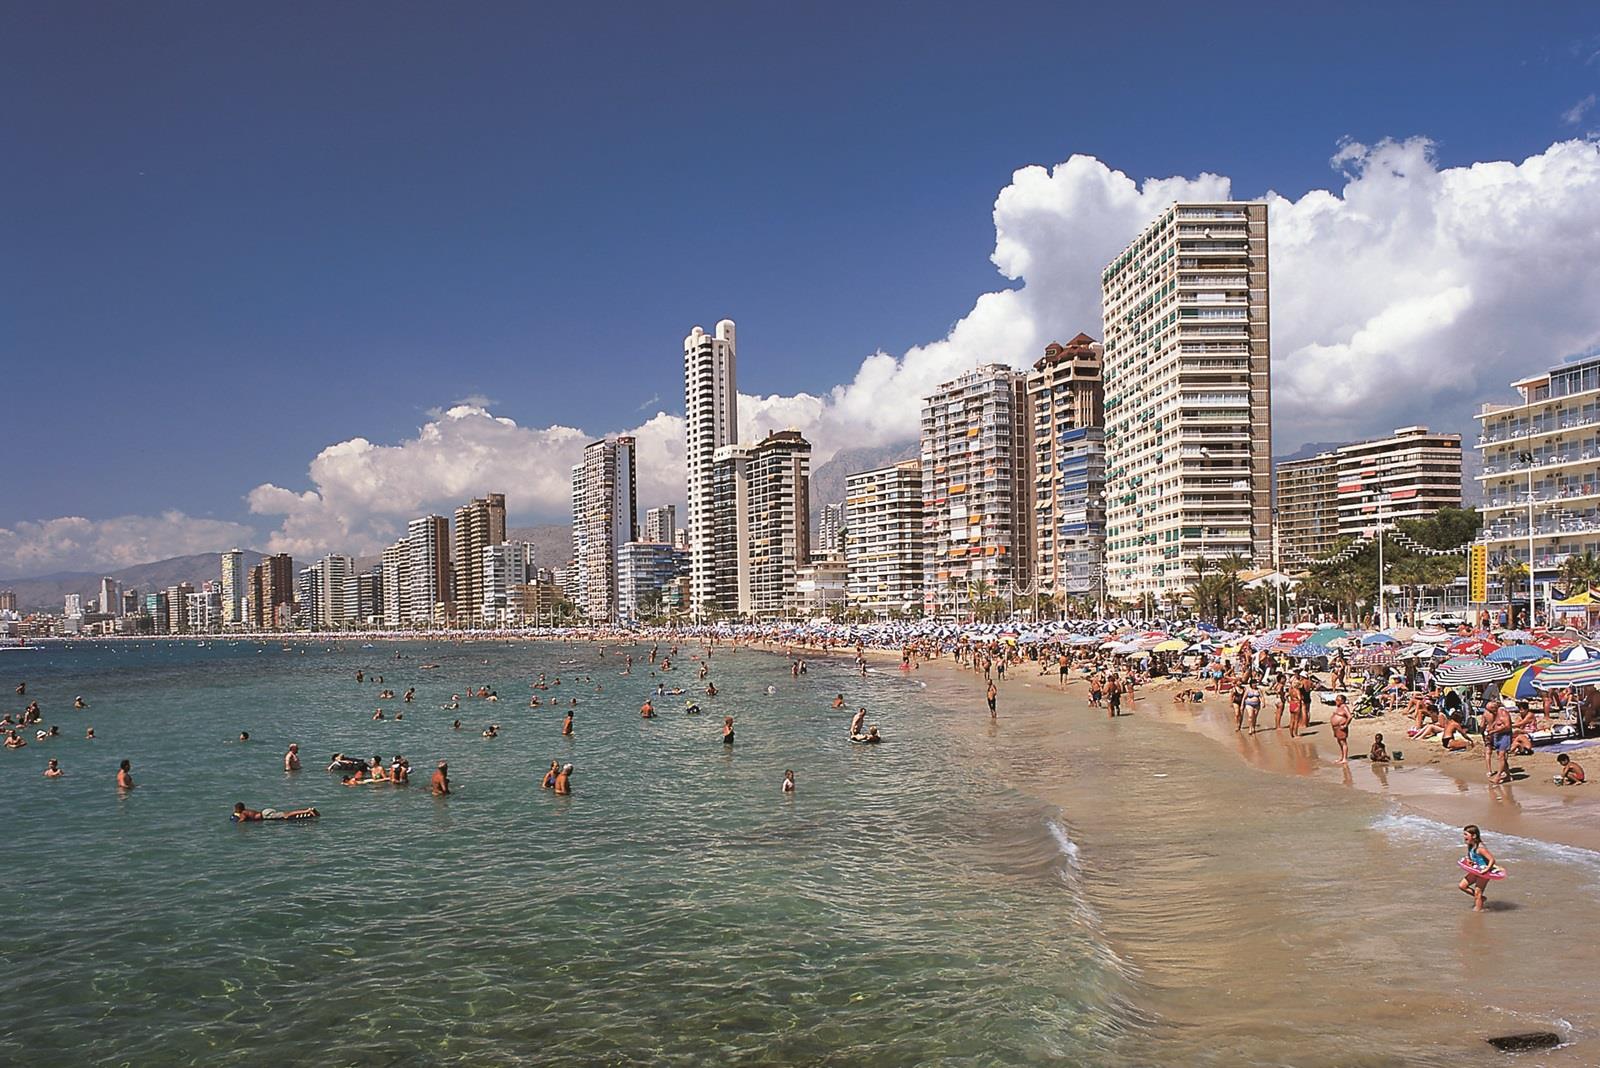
point(989, 695)
point(1478, 856)
point(1114, 691)
point(1339, 722)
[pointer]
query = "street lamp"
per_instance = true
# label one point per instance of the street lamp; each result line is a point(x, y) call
point(1383, 498)
point(1526, 457)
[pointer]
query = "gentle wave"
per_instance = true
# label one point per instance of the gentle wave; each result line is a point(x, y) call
point(1411, 828)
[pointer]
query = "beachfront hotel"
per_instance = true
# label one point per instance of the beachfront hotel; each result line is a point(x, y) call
point(1344, 492)
point(974, 457)
point(394, 567)
point(480, 523)
point(761, 529)
point(505, 567)
point(428, 569)
point(605, 517)
point(1187, 397)
point(710, 422)
point(233, 587)
point(1067, 465)
point(883, 541)
point(1546, 444)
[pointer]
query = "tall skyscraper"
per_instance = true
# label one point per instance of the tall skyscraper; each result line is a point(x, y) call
point(178, 607)
point(604, 519)
point(395, 567)
point(363, 597)
point(1187, 398)
point(271, 586)
point(72, 606)
point(660, 523)
point(761, 533)
point(233, 587)
point(883, 543)
point(480, 523)
point(711, 421)
point(110, 597)
point(324, 607)
point(975, 495)
point(1065, 417)
point(428, 567)
point(830, 531)
point(8, 600)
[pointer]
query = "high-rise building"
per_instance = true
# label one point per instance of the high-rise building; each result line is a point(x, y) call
point(659, 524)
point(1343, 492)
point(505, 567)
point(830, 531)
point(883, 543)
point(178, 608)
point(8, 600)
point(1187, 398)
point(1544, 446)
point(322, 592)
point(72, 606)
point(428, 568)
point(604, 519)
point(363, 598)
point(271, 585)
point(233, 587)
point(1065, 417)
point(646, 570)
point(110, 597)
point(711, 421)
point(762, 523)
point(155, 606)
point(395, 567)
point(130, 603)
point(680, 539)
point(480, 523)
point(204, 609)
point(976, 525)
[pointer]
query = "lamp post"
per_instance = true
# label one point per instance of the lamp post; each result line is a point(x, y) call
point(1383, 498)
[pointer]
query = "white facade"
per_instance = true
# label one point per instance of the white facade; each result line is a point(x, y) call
point(505, 566)
point(883, 543)
point(711, 421)
point(1188, 434)
point(428, 565)
point(604, 519)
point(830, 531)
point(73, 608)
point(660, 523)
point(395, 567)
point(110, 597)
point(233, 588)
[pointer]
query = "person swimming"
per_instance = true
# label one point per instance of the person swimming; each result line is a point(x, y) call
point(53, 770)
point(551, 775)
point(247, 815)
point(788, 781)
point(857, 721)
point(563, 783)
point(727, 730)
point(566, 725)
point(647, 710)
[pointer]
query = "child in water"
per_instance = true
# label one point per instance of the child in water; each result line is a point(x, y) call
point(1479, 857)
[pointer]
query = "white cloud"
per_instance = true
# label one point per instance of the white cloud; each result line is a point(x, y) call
point(74, 543)
point(1407, 296)
point(1574, 115)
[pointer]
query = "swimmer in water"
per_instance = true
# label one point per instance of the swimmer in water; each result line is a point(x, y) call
point(711, 689)
point(788, 781)
point(566, 725)
point(378, 714)
point(456, 725)
point(244, 736)
point(857, 720)
point(53, 770)
point(247, 815)
point(78, 702)
point(838, 701)
point(647, 710)
point(492, 731)
point(125, 776)
point(563, 783)
point(291, 759)
point(440, 785)
point(89, 734)
point(727, 730)
point(550, 776)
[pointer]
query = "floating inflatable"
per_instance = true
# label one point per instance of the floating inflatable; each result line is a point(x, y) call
point(1491, 873)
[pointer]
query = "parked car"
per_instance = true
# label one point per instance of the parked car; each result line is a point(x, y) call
point(1447, 620)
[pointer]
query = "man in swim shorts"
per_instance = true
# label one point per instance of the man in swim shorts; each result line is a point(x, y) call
point(125, 776)
point(291, 759)
point(440, 785)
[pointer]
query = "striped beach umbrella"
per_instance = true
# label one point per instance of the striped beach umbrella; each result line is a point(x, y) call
point(1569, 673)
point(1310, 650)
point(1370, 658)
point(1517, 654)
point(1520, 686)
point(1471, 671)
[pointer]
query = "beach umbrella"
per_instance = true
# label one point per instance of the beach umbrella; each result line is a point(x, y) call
point(1580, 652)
point(1474, 646)
point(1369, 658)
point(1310, 649)
point(1265, 641)
point(1569, 673)
point(1552, 642)
point(1520, 686)
point(1380, 638)
point(1517, 654)
point(1171, 645)
point(1328, 634)
point(1516, 636)
point(1431, 635)
point(1471, 671)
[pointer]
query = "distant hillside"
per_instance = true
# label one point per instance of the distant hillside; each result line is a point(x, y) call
point(827, 480)
point(47, 592)
point(552, 542)
point(1306, 451)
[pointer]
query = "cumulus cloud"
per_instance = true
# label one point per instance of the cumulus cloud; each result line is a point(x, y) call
point(1408, 295)
point(74, 543)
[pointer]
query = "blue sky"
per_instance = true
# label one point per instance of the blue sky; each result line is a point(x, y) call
point(234, 236)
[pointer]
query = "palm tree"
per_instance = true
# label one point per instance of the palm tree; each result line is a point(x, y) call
point(1230, 566)
point(1510, 572)
point(978, 594)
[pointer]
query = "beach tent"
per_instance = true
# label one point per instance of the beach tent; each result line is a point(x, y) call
point(1517, 654)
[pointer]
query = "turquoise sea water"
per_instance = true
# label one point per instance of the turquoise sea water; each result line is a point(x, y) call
point(677, 909)
point(1055, 888)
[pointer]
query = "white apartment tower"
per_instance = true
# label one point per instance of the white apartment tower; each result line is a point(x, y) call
point(395, 567)
point(1188, 434)
point(233, 588)
point(604, 519)
point(883, 543)
point(761, 528)
point(659, 524)
point(711, 421)
point(505, 567)
point(975, 444)
point(428, 569)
